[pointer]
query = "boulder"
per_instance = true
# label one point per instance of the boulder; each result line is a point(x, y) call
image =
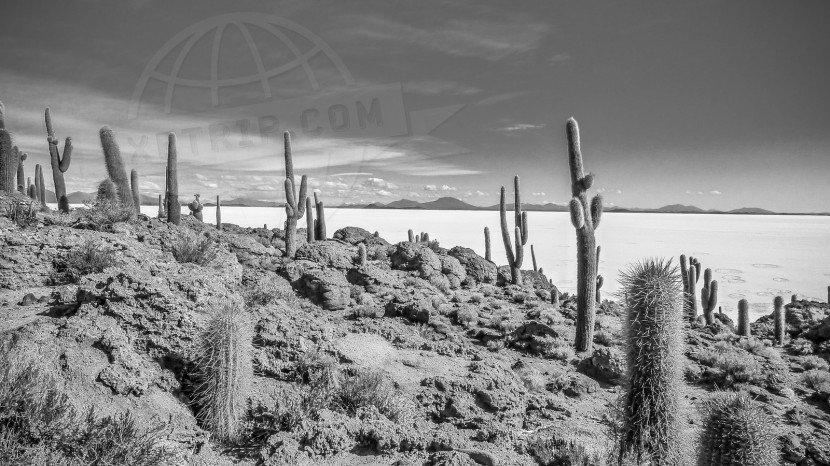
point(453, 270)
point(477, 268)
point(356, 235)
point(326, 253)
point(417, 257)
point(326, 287)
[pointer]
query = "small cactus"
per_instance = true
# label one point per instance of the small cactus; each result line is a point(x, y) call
point(41, 186)
point(779, 318)
point(554, 297)
point(489, 257)
point(425, 237)
point(21, 174)
point(600, 282)
point(218, 214)
point(225, 369)
point(115, 166)
point(654, 328)
point(161, 213)
point(135, 191)
point(31, 190)
point(709, 299)
point(737, 431)
point(309, 221)
point(411, 235)
point(107, 192)
point(320, 221)
point(361, 254)
point(196, 208)
point(533, 257)
point(515, 248)
point(60, 163)
point(6, 161)
point(171, 188)
point(794, 298)
point(743, 318)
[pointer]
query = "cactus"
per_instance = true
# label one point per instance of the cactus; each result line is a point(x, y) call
point(21, 174)
point(794, 298)
point(41, 186)
point(294, 205)
point(134, 191)
point(514, 258)
point(59, 163)
point(554, 297)
point(654, 329)
point(309, 221)
point(6, 161)
point(692, 274)
point(107, 192)
point(225, 370)
point(361, 254)
point(320, 222)
point(171, 189)
point(218, 214)
point(533, 256)
point(585, 219)
point(31, 190)
point(600, 282)
point(411, 235)
point(161, 213)
point(425, 237)
point(743, 318)
point(196, 208)
point(115, 166)
point(709, 297)
point(488, 255)
point(738, 431)
point(780, 321)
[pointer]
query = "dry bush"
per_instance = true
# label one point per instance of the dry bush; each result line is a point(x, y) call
point(371, 388)
point(23, 214)
point(733, 365)
point(814, 362)
point(756, 346)
point(532, 379)
point(802, 346)
point(90, 256)
point(816, 379)
point(488, 290)
point(467, 317)
point(103, 216)
point(476, 298)
point(196, 249)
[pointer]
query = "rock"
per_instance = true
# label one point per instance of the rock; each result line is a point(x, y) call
point(820, 332)
point(28, 300)
point(792, 448)
point(326, 254)
point(580, 385)
point(413, 256)
point(480, 456)
point(326, 287)
point(478, 269)
point(369, 276)
point(356, 235)
point(453, 270)
point(606, 365)
point(819, 450)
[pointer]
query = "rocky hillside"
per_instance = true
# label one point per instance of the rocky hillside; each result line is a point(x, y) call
point(420, 356)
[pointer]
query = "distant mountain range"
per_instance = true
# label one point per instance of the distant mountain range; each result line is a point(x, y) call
point(451, 203)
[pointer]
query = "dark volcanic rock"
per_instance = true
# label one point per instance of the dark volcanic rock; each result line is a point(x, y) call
point(326, 253)
point(356, 235)
point(478, 269)
point(413, 256)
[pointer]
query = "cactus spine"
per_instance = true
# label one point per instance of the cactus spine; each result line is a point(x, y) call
point(60, 163)
point(115, 166)
point(709, 297)
point(294, 205)
point(134, 190)
point(737, 431)
point(514, 258)
point(533, 256)
point(361, 254)
point(743, 318)
point(309, 221)
point(779, 318)
point(654, 328)
point(585, 219)
point(488, 254)
point(171, 190)
point(224, 364)
point(320, 222)
point(218, 214)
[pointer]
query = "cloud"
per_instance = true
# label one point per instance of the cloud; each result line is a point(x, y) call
point(480, 193)
point(601, 190)
point(438, 86)
point(559, 58)
point(520, 127)
point(384, 193)
point(379, 183)
point(448, 188)
point(715, 192)
point(537, 194)
point(430, 187)
point(619, 191)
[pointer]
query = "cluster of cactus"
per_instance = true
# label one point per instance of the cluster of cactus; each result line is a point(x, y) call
point(225, 370)
point(11, 160)
point(585, 219)
point(709, 297)
point(295, 205)
point(488, 255)
point(737, 431)
point(743, 319)
point(171, 183)
point(315, 227)
point(654, 330)
point(419, 238)
point(60, 163)
point(779, 320)
point(520, 230)
point(689, 274)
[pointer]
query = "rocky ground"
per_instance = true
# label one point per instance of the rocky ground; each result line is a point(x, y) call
point(476, 371)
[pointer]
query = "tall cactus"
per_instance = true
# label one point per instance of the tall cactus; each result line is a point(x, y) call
point(59, 163)
point(294, 205)
point(115, 166)
point(690, 274)
point(21, 173)
point(709, 297)
point(585, 219)
point(171, 190)
point(218, 214)
point(6, 161)
point(309, 220)
point(737, 431)
point(743, 318)
point(161, 213)
point(533, 257)
point(488, 256)
point(361, 254)
point(136, 195)
point(225, 369)
point(41, 186)
point(780, 321)
point(411, 235)
point(320, 222)
point(654, 329)
point(514, 257)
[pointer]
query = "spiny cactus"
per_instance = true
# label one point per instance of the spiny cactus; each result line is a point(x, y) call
point(654, 329)
point(6, 161)
point(225, 369)
point(738, 432)
point(533, 256)
point(309, 220)
point(709, 297)
point(107, 192)
point(514, 257)
point(59, 163)
point(294, 205)
point(780, 321)
point(361, 254)
point(171, 189)
point(320, 221)
point(585, 219)
point(161, 213)
point(115, 166)
point(21, 173)
point(135, 191)
point(690, 275)
point(488, 254)
point(743, 318)
point(218, 214)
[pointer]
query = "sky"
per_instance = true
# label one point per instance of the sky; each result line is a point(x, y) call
point(720, 104)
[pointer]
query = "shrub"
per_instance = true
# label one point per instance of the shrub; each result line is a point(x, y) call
point(476, 298)
point(488, 290)
point(189, 248)
point(22, 214)
point(756, 346)
point(532, 379)
point(266, 292)
point(816, 379)
point(467, 317)
point(802, 346)
point(814, 362)
point(90, 256)
point(102, 216)
point(604, 338)
point(441, 283)
point(521, 298)
point(734, 365)
point(371, 388)
point(550, 450)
